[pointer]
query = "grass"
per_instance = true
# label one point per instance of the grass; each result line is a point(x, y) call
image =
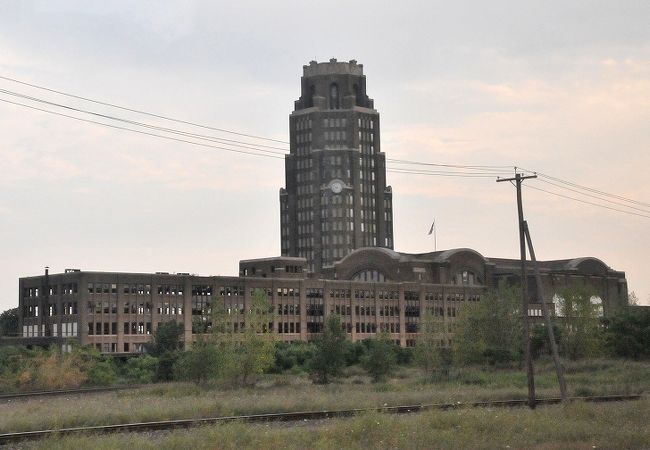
point(294, 392)
point(579, 425)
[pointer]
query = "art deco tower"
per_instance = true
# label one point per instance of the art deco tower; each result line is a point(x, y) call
point(336, 199)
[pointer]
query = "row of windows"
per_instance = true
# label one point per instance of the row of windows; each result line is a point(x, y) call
point(65, 289)
point(289, 327)
point(106, 307)
point(301, 138)
point(133, 289)
point(110, 328)
point(304, 163)
point(51, 309)
point(302, 177)
point(365, 136)
point(366, 122)
point(303, 149)
point(68, 329)
point(336, 239)
point(305, 189)
point(304, 216)
point(305, 242)
point(336, 225)
point(288, 309)
point(335, 136)
point(334, 122)
point(304, 123)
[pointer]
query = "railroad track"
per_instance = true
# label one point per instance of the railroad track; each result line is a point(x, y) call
point(52, 393)
point(288, 417)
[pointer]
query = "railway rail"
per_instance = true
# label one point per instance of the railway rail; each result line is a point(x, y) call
point(288, 417)
point(53, 393)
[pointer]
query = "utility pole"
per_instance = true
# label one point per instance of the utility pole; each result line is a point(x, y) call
point(547, 318)
point(518, 178)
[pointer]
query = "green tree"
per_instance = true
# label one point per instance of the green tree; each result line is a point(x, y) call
point(428, 342)
point(354, 352)
point(490, 331)
point(429, 354)
point(166, 338)
point(289, 355)
point(200, 364)
point(580, 310)
point(329, 355)
point(628, 333)
point(539, 340)
point(9, 323)
point(244, 351)
point(166, 347)
point(142, 369)
point(381, 358)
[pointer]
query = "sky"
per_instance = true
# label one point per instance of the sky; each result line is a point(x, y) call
point(562, 88)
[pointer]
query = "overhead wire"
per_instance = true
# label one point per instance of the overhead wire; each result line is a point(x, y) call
point(124, 108)
point(232, 142)
point(585, 201)
point(498, 169)
point(594, 196)
point(586, 188)
point(258, 149)
point(442, 173)
point(201, 144)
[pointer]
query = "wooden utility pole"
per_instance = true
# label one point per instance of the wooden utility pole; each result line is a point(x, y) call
point(518, 178)
point(547, 318)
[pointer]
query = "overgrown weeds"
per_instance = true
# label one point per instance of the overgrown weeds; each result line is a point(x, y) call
point(280, 393)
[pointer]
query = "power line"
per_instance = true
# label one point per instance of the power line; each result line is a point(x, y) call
point(442, 173)
point(587, 202)
point(586, 188)
point(159, 116)
point(479, 171)
point(595, 196)
point(498, 169)
point(140, 131)
point(232, 142)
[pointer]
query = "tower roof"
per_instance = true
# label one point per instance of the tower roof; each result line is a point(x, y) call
point(333, 67)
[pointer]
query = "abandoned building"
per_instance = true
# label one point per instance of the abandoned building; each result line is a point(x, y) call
point(336, 246)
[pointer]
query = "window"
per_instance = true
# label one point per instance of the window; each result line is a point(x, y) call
point(334, 96)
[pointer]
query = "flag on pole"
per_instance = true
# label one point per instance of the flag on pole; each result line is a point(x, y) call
point(432, 226)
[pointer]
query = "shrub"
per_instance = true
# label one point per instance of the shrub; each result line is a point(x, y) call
point(354, 352)
point(142, 369)
point(199, 364)
point(289, 356)
point(628, 334)
point(329, 356)
point(102, 373)
point(380, 360)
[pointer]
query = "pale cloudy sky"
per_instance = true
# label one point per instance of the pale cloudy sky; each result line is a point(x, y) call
point(561, 87)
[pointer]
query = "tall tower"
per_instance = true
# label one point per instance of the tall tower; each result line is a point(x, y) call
point(336, 199)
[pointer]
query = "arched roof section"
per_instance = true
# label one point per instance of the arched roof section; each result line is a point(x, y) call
point(588, 265)
point(459, 260)
point(454, 253)
point(380, 259)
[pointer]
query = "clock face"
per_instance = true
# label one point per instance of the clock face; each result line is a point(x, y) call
point(336, 186)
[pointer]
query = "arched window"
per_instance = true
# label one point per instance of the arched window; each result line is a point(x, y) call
point(369, 275)
point(466, 277)
point(334, 96)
